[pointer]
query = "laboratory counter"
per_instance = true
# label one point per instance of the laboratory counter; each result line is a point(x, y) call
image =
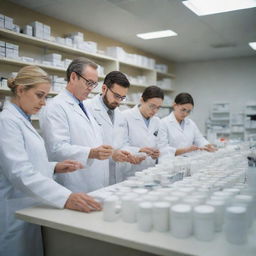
point(67, 232)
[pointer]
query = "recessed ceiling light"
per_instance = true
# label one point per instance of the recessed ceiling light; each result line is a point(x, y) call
point(253, 45)
point(157, 34)
point(206, 7)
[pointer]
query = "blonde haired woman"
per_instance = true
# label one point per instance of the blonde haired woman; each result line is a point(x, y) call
point(25, 173)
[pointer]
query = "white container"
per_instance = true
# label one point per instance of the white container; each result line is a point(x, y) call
point(204, 222)
point(109, 209)
point(247, 201)
point(145, 216)
point(181, 220)
point(219, 207)
point(161, 211)
point(235, 225)
point(129, 209)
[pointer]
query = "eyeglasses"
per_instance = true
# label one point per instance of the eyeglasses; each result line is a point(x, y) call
point(88, 82)
point(117, 96)
point(183, 110)
point(154, 107)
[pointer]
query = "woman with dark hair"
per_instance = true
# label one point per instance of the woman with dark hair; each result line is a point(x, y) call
point(178, 134)
point(142, 127)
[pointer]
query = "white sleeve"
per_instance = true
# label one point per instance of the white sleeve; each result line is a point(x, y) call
point(199, 139)
point(56, 133)
point(20, 172)
point(163, 143)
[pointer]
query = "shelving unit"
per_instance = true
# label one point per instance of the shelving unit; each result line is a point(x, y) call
point(41, 47)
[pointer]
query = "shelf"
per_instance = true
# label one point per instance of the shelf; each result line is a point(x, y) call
point(19, 37)
point(165, 74)
point(220, 112)
point(135, 66)
point(146, 85)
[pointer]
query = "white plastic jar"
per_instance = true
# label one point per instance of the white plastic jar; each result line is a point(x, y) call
point(145, 216)
point(203, 216)
point(161, 212)
point(181, 220)
point(128, 211)
point(219, 207)
point(235, 224)
point(109, 209)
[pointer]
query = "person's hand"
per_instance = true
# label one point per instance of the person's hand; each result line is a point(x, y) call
point(191, 148)
point(120, 155)
point(156, 154)
point(67, 166)
point(149, 151)
point(82, 202)
point(102, 152)
point(210, 148)
point(136, 159)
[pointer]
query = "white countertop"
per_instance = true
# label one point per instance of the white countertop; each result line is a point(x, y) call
point(126, 234)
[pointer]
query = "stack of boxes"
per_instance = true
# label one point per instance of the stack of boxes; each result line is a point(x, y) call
point(53, 59)
point(166, 83)
point(9, 50)
point(161, 68)
point(41, 30)
point(58, 83)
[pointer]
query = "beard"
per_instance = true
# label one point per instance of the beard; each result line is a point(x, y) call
point(108, 104)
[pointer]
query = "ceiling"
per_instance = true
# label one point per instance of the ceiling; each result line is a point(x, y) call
point(209, 37)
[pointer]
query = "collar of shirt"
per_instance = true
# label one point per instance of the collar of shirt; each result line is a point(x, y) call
point(28, 117)
point(72, 96)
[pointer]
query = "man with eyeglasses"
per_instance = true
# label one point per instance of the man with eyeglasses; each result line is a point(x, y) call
point(105, 110)
point(71, 132)
point(178, 134)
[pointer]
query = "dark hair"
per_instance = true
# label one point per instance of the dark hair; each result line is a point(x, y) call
point(152, 92)
point(184, 98)
point(116, 77)
point(78, 64)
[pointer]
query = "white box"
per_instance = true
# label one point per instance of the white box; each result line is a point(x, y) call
point(16, 28)
point(53, 57)
point(116, 52)
point(77, 34)
point(2, 49)
point(38, 29)
point(8, 22)
point(68, 41)
point(28, 30)
point(1, 21)
point(60, 40)
point(90, 46)
point(46, 32)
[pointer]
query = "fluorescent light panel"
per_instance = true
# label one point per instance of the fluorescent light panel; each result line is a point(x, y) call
point(253, 45)
point(157, 34)
point(206, 7)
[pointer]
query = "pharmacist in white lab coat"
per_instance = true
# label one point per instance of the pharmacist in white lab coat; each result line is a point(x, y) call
point(104, 108)
point(178, 134)
point(142, 126)
point(71, 132)
point(25, 173)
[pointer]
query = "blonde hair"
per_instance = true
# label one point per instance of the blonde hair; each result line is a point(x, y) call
point(29, 77)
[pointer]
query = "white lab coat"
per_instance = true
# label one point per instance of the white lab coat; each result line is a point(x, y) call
point(171, 136)
point(139, 136)
point(69, 134)
point(113, 133)
point(25, 180)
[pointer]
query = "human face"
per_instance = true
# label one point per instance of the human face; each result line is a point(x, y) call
point(113, 96)
point(181, 111)
point(80, 87)
point(150, 107)
point(32, 100)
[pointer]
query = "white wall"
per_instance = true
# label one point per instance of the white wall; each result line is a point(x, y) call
point(231, 80)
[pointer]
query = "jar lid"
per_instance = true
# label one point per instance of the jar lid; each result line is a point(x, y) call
point(243, 199)
point(215, 202)
point(236, 212)
point(145, 207)
point(204, 211)
point(181, 210)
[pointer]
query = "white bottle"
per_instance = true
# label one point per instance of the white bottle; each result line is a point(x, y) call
point(129, 209)
point(235, 224)
point(109, 209)
point(181, 220)
point(145, 216)
point(161, 212)
point(219, 207)
point(204, 222)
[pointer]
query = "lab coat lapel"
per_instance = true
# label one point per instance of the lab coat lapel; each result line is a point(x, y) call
point(101, 110)
point(138, 117)
point(174, 121)
point(15, 112)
